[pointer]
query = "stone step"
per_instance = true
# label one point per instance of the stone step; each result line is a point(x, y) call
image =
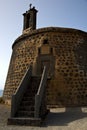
point(30, 102)
point(25, 121)
point(28, 98)
point(26, 108)
point(32, 90)
point(25, 114)
point(30, 94)
point(35, 78)
point(33, 87)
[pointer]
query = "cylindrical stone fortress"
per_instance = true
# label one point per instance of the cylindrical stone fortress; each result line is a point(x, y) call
point(62, 50)
point(68, 83)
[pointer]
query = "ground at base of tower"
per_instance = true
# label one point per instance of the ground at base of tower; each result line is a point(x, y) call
point(57, 119)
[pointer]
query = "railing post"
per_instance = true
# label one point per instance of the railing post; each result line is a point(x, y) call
point(36, 114)
point(40, 93)
point(13, 106)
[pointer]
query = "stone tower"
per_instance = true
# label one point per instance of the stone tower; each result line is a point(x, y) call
point(62, 50)
point(30, 18)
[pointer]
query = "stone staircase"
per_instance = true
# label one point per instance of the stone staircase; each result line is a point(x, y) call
point(25, 113)
point(26, 108)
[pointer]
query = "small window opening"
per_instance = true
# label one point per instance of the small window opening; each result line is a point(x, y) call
point(51, 50)
point(45, 41)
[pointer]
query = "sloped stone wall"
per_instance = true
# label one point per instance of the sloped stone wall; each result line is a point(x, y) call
point(68, 87)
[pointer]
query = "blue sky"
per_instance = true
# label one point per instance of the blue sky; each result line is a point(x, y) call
point(59, 13)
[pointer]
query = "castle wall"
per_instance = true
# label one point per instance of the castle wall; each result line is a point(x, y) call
point(68, 86)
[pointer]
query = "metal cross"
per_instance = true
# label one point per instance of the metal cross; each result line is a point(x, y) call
point(30, 5)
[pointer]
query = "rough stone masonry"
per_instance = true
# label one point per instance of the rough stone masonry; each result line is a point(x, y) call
point(62, 50)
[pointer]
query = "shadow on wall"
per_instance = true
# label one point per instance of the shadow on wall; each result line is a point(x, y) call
point(64, 116)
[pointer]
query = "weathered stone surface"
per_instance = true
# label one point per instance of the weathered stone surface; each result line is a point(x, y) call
point(68, 86)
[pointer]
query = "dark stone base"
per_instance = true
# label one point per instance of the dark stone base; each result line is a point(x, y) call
point(25, 121)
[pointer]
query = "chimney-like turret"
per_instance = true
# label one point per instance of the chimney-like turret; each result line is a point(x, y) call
point(30, 18)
